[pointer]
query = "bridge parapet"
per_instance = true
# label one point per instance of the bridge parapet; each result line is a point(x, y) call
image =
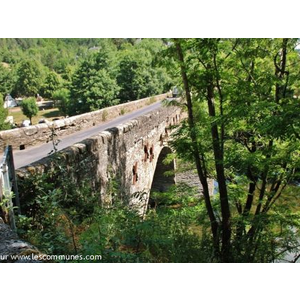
point(128, 152)
point(41, 133)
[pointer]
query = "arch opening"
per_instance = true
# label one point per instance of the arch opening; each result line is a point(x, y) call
point(162, 181)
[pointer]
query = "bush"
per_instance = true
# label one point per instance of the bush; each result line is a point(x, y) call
point(64, 217)
point(167, 234)
point(62, 98)
point(29, 108)
point(151, 100)
point(104, 115)
point(3, 115)
point(54, 207)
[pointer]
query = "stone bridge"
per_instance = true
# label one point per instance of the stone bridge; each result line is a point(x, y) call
point(131, 154)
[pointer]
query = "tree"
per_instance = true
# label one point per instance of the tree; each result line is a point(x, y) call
point(62, 98)
point(6, 80)
point(98, 72)
point(28, 80)
point(138, 75)
point(242, 130)
point(51, 84)
point(3, 115)
point(94, 85)
point(30, 108)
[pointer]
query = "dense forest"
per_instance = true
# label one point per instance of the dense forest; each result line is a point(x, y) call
point(241, 98)
point(82, 74)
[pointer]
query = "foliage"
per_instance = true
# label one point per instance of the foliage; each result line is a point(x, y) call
point(29, 108)
point(242, 101)
point(138, 76)
point(3, 115)
point(62, 98)
point(93, 84)
point(49, 114)
point(62, 216)
point(54, 140)
point(120, 235)
point(7, 79)
point(98, 72)
point(151, 100)
point(104, 115)
point(51, 83)
point(242, 130)
point(53, 206)
point(28, 82)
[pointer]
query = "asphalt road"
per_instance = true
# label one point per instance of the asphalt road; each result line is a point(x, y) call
point(32, 154)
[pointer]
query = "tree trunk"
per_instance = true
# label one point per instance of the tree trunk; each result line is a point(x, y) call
point(219, 156)
point(200, 171)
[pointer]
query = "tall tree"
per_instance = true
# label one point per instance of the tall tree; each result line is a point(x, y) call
point(242, 131)
point(6, 80)
point(93, 84)
point(62, 98)
point(51, 83)
point(28, 81)
point(197, 154)
point(138, 75)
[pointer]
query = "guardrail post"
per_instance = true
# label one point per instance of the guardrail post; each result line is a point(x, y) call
point(13, 178)
point(8, 182)
point(8, 196)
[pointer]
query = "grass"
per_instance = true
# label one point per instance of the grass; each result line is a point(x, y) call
point(151, 101)
point(48, 114)
point(104, 115)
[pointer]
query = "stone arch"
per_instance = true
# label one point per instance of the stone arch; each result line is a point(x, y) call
point(161, 182)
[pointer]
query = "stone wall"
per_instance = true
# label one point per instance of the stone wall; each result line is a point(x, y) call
point(11, 246)
point(128, 153)
point(191, 179)
point(39, 134)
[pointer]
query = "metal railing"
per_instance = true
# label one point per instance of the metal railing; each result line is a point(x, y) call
point(9, 196)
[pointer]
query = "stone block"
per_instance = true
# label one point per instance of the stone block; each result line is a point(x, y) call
point(81, 146)
point(59, 123)
point(31, 130)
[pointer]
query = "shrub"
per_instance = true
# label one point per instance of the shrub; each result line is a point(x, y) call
point(30, 108)
point(104, 115)
point(62, 98)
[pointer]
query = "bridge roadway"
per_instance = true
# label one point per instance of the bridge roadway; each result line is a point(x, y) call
point(32, 154)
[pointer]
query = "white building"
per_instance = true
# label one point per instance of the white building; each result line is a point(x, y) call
point(9, 102)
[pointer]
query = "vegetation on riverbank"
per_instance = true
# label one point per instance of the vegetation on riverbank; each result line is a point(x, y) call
point(242, 129)
point(242, 101)
point(65, 217)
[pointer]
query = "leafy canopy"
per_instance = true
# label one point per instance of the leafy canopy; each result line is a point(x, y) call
point(242, 130)
point(29, 108)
